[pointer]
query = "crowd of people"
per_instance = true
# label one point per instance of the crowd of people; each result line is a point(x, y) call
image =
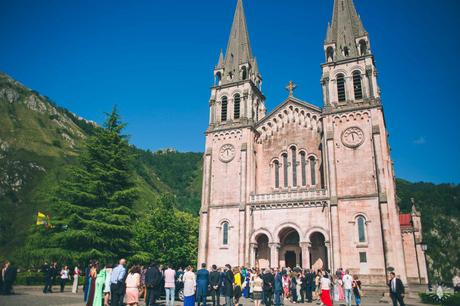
point(116, 285)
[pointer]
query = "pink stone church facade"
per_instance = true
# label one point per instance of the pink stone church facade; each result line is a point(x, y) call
point(303, 185)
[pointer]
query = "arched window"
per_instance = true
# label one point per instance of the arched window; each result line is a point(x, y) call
point(361, 228)
point(313, 170)
point(236, 106)
point(218, 78)
point(363, 47)
point(341, 88)
point(346, 51)
point(303, 165)
point(277, 173)
point(285, 167)
point(294, 166)
point(244, 73)
point(357, 85)
point(225, 233)
point(329, 54)
point(223, 112)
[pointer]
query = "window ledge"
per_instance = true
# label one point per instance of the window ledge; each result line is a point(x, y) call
point(224, 247)
point(362, 245)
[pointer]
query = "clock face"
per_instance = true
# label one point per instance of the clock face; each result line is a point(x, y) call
point(227, 153)
point(353, 137)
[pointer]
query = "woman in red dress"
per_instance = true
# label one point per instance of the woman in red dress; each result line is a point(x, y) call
point(325, 284)
point(92, 286)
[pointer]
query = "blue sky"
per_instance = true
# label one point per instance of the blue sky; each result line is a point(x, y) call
point(154, 59)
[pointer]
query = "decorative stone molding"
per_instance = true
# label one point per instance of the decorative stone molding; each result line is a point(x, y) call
point(290, 113)
point(288, 196)
point(289, 205)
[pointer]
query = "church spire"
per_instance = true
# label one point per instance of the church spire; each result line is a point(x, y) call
point(238, 47)
point(346, 32)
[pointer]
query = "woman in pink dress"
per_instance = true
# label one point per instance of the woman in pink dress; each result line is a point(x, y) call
point(133, 284)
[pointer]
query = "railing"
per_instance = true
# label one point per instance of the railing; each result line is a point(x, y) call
point(288, 196)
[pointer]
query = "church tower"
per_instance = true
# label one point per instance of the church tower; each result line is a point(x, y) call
point(361, 180)
point(236, 104)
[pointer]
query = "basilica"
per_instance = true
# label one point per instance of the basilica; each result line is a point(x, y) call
point(303, 185)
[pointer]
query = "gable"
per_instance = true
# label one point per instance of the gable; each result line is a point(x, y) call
point(291, 111)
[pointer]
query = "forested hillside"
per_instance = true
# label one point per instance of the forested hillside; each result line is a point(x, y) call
point(440, 208)
point(38, 141)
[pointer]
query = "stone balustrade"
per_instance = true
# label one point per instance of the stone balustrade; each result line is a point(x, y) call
point(288, 196)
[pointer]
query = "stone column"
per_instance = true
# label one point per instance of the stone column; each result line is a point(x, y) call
point(203, 239)
point(305, 254)
point(252, 260)
point(329, 255)
point(274, 254)
point(369, 76)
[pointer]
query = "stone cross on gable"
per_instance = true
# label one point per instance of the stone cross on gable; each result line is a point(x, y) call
point(291, 87)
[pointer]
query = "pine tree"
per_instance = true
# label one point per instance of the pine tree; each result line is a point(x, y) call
point(92, 213)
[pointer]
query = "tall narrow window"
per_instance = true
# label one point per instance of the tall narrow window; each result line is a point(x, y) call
point(223, 112)
point(225, 233)
point(244, 73)
point(277, 173)
point(361, 229)
point(285, 166)
point(313, 170)
point(363, 47)
point(341, 88)
point(303, 165)
point(294, 166)
point(357, 85)
point(236, 105)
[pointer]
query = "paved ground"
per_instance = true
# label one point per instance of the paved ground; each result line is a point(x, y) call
point(32, 296)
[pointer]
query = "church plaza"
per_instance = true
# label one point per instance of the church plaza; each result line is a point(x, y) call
point(32, 296)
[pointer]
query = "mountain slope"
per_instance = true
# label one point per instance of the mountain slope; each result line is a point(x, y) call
point(38, 139)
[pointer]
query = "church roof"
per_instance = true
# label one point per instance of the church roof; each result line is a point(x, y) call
point(238, 46)
point(346, 27)
point(295, 101)
point(405, 220)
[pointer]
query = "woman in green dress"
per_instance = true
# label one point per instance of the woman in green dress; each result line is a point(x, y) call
point(98, 292)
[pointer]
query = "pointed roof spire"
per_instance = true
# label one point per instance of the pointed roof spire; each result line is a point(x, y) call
point(220, 63)
point(238, 47)
point(345, 29)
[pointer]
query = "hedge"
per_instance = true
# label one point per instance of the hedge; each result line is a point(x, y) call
point(448, 299)
point(29, 278)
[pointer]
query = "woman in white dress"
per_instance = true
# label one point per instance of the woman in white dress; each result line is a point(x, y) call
point(76, 275)
point(189, 279)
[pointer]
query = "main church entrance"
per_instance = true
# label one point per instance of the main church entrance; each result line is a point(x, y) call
point(290, 253)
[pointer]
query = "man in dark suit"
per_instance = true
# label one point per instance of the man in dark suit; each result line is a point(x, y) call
point(396, 290)
point(8, 277)
point(227, 282)
point(214, 282)
point(49, 271)
point(202, 283)
point(309, 284)
point(268, 286)
point(153, 278)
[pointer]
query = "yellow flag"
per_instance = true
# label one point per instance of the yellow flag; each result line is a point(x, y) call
point(41, 218)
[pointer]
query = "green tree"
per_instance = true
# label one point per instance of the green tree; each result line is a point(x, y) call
point(91, 208)
point(166, 235)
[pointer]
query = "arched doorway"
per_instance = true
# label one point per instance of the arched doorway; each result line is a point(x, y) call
point(290, 254)
point(262, 252)
point(318, 252)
